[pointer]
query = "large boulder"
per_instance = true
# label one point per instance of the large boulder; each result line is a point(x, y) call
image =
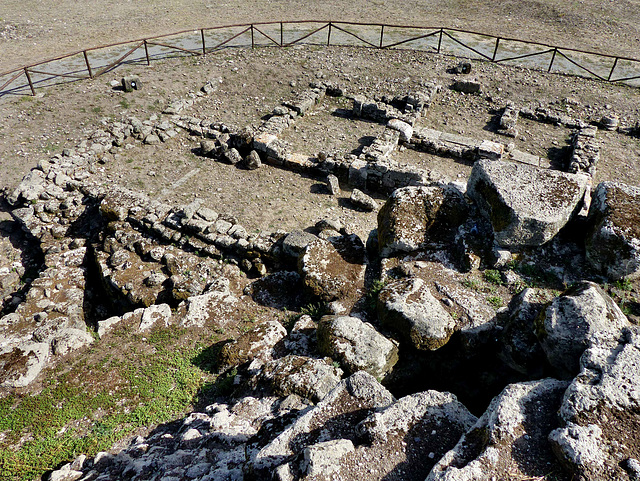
point(613, 246)
point(257, 343)
point(509, 441)
point(304, 376)
point(600, 412)
point(402, 441)
point(407, 306)
point(335, 417)
point(416, 216)
point(356, 345)
point(327, 274)
point(572, 322)
point(520, 348)
point(526, 206)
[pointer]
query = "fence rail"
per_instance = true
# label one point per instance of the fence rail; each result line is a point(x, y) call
point(96, 61)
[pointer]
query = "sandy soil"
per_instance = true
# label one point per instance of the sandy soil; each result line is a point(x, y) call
point(32, 30)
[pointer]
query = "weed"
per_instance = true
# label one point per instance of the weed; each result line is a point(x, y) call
point(623, 285)
point(97, 110)
point(124, 103)
point(495, 301)
point(493, 276)
point(316, 311)
point(373, 293)
point(472, 284)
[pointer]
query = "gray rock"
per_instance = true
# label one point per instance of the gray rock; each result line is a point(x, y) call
point(408, 307)
point(333, 185)
point(304, 376)
point(252, 161)
point(327, 274)
point(580, 317)
point(323, 459)
point(357, 396)
point(405, 439)
point(207, 147)
point(204, 308)
point(65, 473)
point(296, 242)
point(232, 156)
point(600, 408)
point(428, 406)
point(520, 348)
point(466, 86)
point(510, 437)
point(356, 345)
point(70, 339)
point(30, 188)
point(19, 366)
point(156, 315)
point(525, 205)
point(258, 343)
point(413, 217)
point(131, 83)
point(405, 129)
point(613, 246)
point(363, 201)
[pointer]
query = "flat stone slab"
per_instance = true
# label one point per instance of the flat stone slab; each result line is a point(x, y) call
point(526, 206)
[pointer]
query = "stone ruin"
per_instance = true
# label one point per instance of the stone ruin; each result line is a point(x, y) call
point(546, 384)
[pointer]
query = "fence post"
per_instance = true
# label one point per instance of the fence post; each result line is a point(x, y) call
point(495, 51)
point(204, 46)
point(281, 35)
point(146, 52)
point(381, 35)
point(612, 69)
point(553, 57)
point(252, 44)
point(33, 90)
point(440, 39)
point(329, 35)
point(86, 60)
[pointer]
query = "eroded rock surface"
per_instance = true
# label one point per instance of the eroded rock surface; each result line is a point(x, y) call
point(510, 437)
point(356, 345)
point(408, 306)
point(581, 317)
point(526, 206)
point(613, 247)
point(600, 412)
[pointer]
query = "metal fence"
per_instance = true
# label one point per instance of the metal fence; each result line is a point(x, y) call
point(96, 61)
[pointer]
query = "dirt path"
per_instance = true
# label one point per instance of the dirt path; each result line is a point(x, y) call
point(33, 30)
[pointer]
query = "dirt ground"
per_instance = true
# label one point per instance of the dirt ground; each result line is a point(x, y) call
point(34, 30)
point(32, 129)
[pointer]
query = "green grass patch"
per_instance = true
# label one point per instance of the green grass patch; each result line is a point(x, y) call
point(495, 301)
point(93, 404)
point(492, 276)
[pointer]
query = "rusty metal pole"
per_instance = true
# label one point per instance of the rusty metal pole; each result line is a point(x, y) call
point(252, 43)
point(495, 50)
point(281, 35)
point(204, 45)
point(553, 57)
point(381, 35)
point(440, 39)
point(33, 90)
point(86, 60)
point(329, 35)
point(146, 52)
point(615, 62)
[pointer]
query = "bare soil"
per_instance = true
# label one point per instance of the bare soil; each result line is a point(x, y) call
point(33, 30)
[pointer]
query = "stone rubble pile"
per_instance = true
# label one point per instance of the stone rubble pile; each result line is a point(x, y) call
point(362, 392)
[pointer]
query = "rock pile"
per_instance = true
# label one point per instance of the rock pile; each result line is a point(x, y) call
point(364, 391)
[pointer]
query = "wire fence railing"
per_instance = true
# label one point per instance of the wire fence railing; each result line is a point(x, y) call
point(96, 61)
